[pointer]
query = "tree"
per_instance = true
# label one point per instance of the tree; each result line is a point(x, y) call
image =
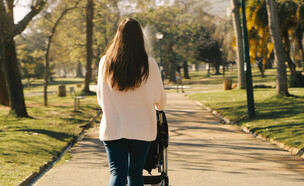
point(211, 53)
point(258, 31)
point(31, 63)
point(287, 13)
point(191, 34)
point(290, 16)
point(184, 30)
point(89, 44)
point(299, 31)
point(239, 43)
point(8, 57)
point(79, 70)
point(291, 19)
point(106, 20)
point(49, 41)
point(68, 47)
point(281, 82)
point(4, 97)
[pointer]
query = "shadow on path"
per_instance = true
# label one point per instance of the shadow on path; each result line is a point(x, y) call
point(202, 151)
point(214, 151)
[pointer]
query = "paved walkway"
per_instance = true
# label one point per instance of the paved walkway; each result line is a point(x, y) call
point(201, 152)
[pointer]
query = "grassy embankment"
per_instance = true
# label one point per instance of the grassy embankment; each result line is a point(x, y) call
point(26, 144)
point(279, 118)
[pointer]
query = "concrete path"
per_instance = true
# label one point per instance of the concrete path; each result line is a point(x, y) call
point(201, 152)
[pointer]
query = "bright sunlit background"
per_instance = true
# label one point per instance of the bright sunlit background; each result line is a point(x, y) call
point(217, 7)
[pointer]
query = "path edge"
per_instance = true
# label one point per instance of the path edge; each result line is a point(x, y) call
point(292, 150)
point(35, 176)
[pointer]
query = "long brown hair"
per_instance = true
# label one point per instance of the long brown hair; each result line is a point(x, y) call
point(126, 63)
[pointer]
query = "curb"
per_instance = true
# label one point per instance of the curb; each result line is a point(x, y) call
point(214, 112)
point(35, 176)
point(292, 150)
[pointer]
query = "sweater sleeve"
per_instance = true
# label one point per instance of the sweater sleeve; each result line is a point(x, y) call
point(100, 81)
point(160, 97)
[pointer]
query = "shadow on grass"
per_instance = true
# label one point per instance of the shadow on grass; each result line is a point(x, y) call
point(64, 82)
point(271, 108)
point(279, 128)
point(280, 118)
point(92, 107)
point(54, 83)
point(236, 112)
point(74, 120)
point(292, 134)
point(57, 135)
point(276, 107)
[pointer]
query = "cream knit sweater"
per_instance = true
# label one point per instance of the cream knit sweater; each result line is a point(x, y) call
point(131, 114)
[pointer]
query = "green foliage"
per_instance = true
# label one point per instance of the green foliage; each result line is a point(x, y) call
point(31, 63)
point(291, 27)
point(107, 17)
point(184, 26)
point(30, 56)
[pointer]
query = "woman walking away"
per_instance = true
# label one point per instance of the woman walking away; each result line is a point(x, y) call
point(129, 90)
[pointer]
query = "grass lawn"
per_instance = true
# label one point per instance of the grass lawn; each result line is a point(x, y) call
point(37, 85)
point(201, 76)
point(279, 118)
point(26, 144)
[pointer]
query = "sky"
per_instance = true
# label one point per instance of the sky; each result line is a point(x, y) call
point(21, 9)
point(217, 7)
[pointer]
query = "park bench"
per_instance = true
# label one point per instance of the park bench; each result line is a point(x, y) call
point(76, 98)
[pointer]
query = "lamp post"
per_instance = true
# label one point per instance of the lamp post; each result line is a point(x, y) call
point(249, 88)
point(160, 36)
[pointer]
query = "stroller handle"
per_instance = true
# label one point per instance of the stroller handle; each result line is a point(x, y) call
point(160, 114)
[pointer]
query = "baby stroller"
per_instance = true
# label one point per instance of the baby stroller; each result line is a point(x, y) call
point(157, 157)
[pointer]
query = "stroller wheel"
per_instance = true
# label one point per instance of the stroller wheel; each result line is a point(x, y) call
point(167, 181)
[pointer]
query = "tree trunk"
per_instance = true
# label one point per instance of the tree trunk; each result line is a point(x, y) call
point(173, 65)
point(46, 71)
point(79, 70)
point(8, 58)
point(217, 68)
point(13, 78)
point(302, 53)
point(281, 82)
point(264, 59)
point(239, 43)
point(4, 98)
point(186, 72)
point(291, 65)
point(89, 43)
point(208, 70)
point(172, 76)
point(299, 41)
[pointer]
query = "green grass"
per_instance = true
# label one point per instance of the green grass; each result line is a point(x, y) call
point(37, 85)
point(201, 76)
point(26, 144)
point(279, 118)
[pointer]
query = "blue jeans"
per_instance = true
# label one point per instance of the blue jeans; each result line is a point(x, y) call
point(126, 160)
